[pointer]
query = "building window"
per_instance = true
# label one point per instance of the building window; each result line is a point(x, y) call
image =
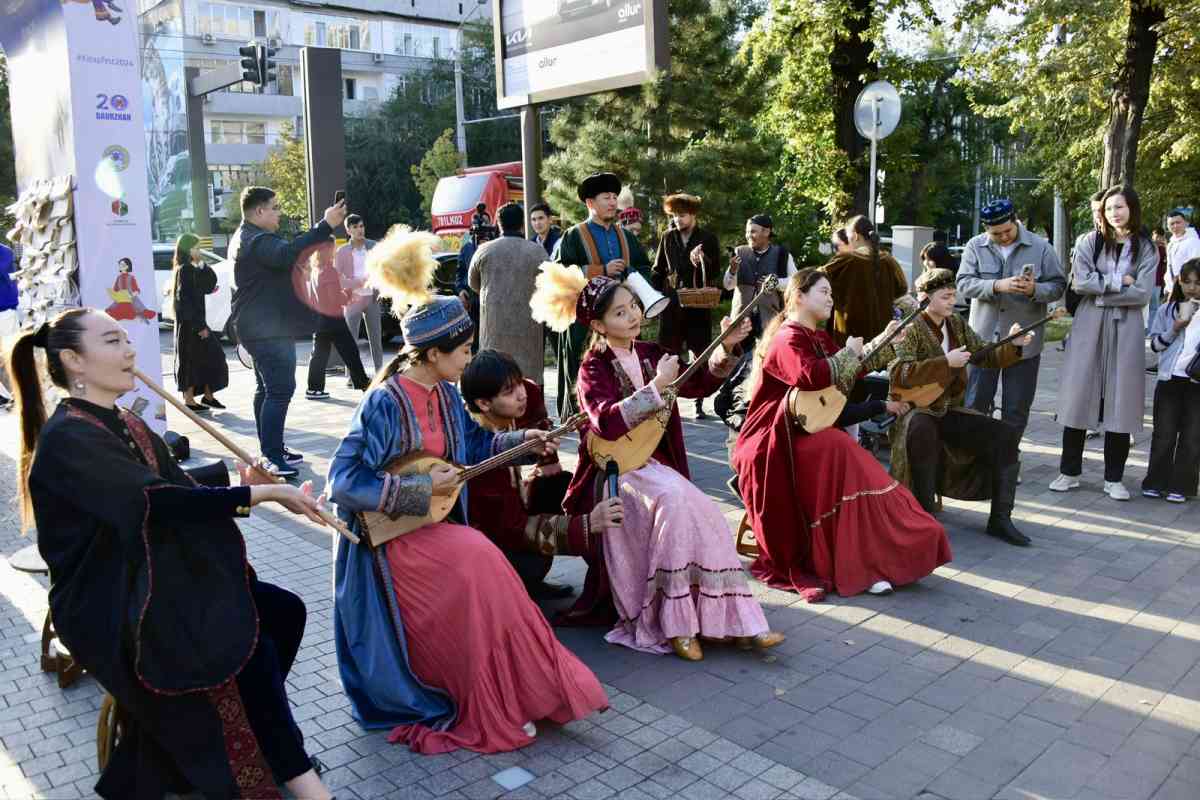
point(408, 44)
point(284, 80)
point(340, 32)
point(260, 23)
point(437, 47)
point(237, 132)
point(351, 86)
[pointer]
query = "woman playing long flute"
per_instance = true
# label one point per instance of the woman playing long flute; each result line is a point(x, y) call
point(150, 587)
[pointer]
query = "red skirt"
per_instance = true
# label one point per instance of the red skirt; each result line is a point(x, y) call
point(862, 525)
point(473, 631)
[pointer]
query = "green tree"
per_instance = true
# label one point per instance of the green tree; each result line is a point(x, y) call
point(1111, 94)
point(441, 160)
point(286, 170)
point(811, 60)
point(692, 128)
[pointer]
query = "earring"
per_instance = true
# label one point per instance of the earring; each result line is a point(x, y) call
point(80, 386)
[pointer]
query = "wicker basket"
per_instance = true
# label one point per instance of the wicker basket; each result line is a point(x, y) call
point(706, 297)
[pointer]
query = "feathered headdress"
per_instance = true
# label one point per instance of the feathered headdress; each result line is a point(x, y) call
point(401, 267)
point(556, 294)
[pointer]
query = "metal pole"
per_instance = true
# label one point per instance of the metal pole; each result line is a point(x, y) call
point(871, 206)
point(201, 213)
point(459, 113)
point(531, 156)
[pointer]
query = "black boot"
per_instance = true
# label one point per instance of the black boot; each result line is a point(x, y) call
point(924, 485)
point(1004, 492)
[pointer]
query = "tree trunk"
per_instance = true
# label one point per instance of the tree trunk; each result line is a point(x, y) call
point(1131, 91)
point(851, 59)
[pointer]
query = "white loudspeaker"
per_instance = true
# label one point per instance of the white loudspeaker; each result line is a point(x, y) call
point(653, 301)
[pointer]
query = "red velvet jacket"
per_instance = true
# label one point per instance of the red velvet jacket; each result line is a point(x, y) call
point(602, 385)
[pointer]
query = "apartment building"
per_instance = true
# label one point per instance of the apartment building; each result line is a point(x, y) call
point(381, 43)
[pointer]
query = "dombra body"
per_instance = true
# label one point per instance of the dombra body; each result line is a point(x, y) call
point(378, 527)
point(818, 409)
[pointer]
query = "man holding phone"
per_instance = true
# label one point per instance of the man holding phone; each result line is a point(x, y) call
point(1010, 275)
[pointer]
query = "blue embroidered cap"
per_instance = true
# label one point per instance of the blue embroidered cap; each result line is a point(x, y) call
point(440, 318)
point(997, 212)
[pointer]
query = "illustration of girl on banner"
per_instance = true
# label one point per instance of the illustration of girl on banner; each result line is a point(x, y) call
point(103, 9)
point(126, 296)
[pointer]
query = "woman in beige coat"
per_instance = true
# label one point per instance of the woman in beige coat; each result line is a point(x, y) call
point(1103, 379)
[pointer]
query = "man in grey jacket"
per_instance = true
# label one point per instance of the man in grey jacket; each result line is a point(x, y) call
point(1010, 275)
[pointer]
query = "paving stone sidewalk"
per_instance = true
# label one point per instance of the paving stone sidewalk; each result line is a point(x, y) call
point(1066, 670)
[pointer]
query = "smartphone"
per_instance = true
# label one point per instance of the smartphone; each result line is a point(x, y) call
point(1027, 270)
point(339, 196)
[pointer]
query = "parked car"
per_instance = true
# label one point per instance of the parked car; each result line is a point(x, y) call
point(216, 305)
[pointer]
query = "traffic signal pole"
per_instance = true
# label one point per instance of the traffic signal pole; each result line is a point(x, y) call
point(198, 158)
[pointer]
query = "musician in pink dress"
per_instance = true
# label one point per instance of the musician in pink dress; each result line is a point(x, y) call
point(671, 565)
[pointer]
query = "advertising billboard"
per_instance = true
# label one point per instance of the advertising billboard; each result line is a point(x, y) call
point(553, 49)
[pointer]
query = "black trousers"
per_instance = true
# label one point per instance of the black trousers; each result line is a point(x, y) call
point(992, 440)
point(1175, 446)
point(1116, 451)
point(336, 336)
point(261, 683)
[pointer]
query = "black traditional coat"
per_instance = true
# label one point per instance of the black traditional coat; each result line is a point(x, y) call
point(673, 269)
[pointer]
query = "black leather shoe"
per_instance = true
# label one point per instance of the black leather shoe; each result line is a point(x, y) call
point(1002, 528)
point(549, 591)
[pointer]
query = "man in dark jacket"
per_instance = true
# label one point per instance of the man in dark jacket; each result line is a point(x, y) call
point(268, 312)
point(545, 232)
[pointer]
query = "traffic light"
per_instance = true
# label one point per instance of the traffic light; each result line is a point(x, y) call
point(250, 63)
point(266, 62)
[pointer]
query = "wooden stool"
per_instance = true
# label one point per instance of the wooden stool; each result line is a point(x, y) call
point(744, 540)
point(55, 656)
point(109, 727)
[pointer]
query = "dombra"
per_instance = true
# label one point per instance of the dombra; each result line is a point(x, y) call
point(634, 449)
point(818, 409)
point(927, 394)
point(379, 528)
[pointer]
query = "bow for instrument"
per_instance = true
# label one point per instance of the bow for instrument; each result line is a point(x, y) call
point(927, 393)
point(818, 409)
point(632, 450)
point(379, 527)
point(239, 453)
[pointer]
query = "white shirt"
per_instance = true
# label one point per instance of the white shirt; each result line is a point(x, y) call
point(1191, 339)
point(1180, 250)
point(1006, 250)
point(360, 269)
point(730, 280)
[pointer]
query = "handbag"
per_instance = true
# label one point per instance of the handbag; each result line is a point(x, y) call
point(1193, 367)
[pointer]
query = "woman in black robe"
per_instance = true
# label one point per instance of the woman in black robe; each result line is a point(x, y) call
point(150, 588)
point(199, 358)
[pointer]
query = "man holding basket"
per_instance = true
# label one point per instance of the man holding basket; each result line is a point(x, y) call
point(687, 267)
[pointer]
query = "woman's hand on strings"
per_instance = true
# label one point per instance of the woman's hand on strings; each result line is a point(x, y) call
point(607, 514)
point(666, 372)
point(445, 479)
point(546, 445)
point(739, 333)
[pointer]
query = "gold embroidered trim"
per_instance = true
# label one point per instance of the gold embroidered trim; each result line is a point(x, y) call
point(849, 498)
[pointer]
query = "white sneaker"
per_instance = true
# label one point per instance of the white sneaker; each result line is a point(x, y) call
point(1064, 483)
point(1116, 490)
point(880, 587)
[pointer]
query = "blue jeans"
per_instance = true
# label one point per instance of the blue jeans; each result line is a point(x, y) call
point(275, 376)
point(1020, 384)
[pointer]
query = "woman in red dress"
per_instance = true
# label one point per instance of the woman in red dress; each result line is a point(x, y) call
point(826, 515)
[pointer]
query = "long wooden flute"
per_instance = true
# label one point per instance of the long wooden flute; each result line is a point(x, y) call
point(238, 452)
